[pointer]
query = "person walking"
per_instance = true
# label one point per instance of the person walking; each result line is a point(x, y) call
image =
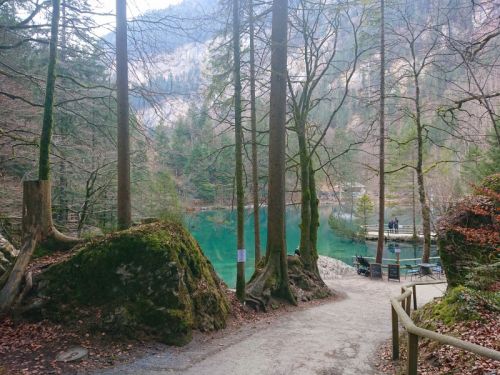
point(396, 225)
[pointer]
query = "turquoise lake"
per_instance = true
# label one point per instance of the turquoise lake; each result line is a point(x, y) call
point(216, 233)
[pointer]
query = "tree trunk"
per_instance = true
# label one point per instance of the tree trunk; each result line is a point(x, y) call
point(381, 199)
point(124, 210)
point(62, 123)
point(273, 279)
point(11, 289)
point(37, 194)
point(37, 213)
point(253, 124)
point(305, 200)
point(426, 217)
point(37, 227)
point(414, 210)
point(240, 203)
point(314, 201)
point(48, 112)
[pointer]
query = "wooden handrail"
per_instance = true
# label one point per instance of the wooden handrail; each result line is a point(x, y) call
point(393, 259)
point(401, 309)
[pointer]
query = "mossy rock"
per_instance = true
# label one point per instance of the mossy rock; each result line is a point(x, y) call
point(468, 241)
point(152, 280)
point(459, 304)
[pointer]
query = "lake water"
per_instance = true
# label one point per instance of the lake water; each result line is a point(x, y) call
point(216, 233)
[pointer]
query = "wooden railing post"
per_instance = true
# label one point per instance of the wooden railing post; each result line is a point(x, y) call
point(408, 305)
point(401, 313)
point(414, 287)
point(412, 354)
point(395, 334)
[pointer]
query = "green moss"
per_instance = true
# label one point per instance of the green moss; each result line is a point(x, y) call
point(460, 258)
point(484, 277)
point(152, 279)
point(459, 304)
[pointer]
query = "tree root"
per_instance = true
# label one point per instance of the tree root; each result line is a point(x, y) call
point(264, 287)
point(304, 285)
point(256, 303)
point(55, 240)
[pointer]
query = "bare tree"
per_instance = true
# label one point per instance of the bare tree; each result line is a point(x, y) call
point(317, 29)
point(419, 49)
point(471, 70)
point(381, 192)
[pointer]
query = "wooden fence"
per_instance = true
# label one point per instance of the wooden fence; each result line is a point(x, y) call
point(401, 309)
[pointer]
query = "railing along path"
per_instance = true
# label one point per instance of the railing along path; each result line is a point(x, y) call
point(401, 308)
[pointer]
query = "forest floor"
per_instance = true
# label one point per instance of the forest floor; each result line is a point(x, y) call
point(334, 337)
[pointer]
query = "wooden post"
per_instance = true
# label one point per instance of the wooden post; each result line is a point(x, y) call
point(412, 354)
point(414, 287)
point(395, 334)
point(408, 305)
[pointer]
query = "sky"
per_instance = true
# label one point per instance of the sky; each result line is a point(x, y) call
point(134, 9)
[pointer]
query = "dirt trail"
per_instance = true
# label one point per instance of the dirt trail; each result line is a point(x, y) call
point(331, 339)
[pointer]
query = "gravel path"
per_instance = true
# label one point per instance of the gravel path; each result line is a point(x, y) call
point(330, 339)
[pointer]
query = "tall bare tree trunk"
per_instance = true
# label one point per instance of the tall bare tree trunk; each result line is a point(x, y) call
point(426, 213)
point(253, 124)
point(314, 201)
point(305, 196)
point(62, 214)
point(123, 203)
point(240, 203)
point(414, 210)
point(381, 199)
point(273, 279)
point(48, 112)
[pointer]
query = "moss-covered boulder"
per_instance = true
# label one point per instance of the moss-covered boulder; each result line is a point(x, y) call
point(460, 303)
point(152, 280)
point(469, 238)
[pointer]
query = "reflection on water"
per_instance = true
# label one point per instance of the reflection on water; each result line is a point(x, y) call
point(216, 234)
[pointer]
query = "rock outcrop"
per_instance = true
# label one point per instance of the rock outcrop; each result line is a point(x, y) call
point(469, 238)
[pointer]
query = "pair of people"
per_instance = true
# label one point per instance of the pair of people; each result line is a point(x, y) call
point(394, 225)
